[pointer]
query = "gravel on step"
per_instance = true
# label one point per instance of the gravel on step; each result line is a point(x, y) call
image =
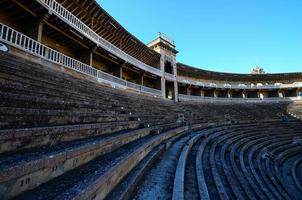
point(158, 182)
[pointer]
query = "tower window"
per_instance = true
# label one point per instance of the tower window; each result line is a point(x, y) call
point(168, 67)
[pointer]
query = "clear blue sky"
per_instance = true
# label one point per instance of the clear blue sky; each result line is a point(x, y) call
point(220, 35)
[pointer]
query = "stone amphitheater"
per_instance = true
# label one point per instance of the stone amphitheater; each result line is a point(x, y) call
point(82, 117)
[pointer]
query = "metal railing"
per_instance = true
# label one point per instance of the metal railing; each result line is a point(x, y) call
point(167, 38)
point(61, 12)
point(108, 77)
point(133, 86)
point(21, 41)
point(235, 86)
point(183, 97)
point(151, 90)
point(169, 76)
point(27, 44)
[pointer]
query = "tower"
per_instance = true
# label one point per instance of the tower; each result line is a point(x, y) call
point(166, 47)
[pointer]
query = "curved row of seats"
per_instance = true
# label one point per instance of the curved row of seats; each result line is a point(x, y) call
point(38, 96)
point(243, 161)
point(249, 112)
point(49, 98)
point(65, 136)
point(53, 123)
point(296, 173)
point(240, 161)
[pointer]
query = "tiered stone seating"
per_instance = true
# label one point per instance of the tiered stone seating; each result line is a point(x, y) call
point(58, 99)
point(33, 97)
point(64, 136)
point(243, 161)
point(200, 112)
point(296, 173)
point(295, 110)
point(91, 180)
point(53, 122)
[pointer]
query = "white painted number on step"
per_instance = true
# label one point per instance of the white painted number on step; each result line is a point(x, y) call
point(3, 48)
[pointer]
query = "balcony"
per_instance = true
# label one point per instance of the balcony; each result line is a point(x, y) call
point(57, 9)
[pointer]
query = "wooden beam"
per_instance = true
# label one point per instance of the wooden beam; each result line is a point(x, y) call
point(66, 34)
point(24, 8)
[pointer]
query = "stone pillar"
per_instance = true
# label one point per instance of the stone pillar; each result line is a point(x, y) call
point(91, 52)
point(298, 92)
point(142, 79)
point(175, 91)
point(163, 87)
point(175, 82)
point(216, 92)
point(280, 94)
point(163, 80)
point(201, 92)
point(261, 95)
point(189, 90)
point(86, 56)
point(91, 58)
point(244, 94)
point(229, 94)
point(40, 31)
point(34, 29)
point(121, 72)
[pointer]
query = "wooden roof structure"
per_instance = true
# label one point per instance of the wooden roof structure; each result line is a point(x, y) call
point(94, 16)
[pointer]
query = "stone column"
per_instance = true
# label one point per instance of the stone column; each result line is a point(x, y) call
point(86, 55)
point(201, 92)
point(40, 31)
point(280, 94)
point(261, 95)
point(229, 94)
point(121, 72)
point(91, 58)
point(175, 91)
point(142, 79)
point(163, 80)
point(175, 82)
point(298, 91)
point(189, 90)
point(34, 28)
point(244, 95)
